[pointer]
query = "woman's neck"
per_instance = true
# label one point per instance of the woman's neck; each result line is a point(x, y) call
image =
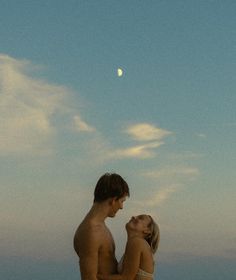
point(132, 234)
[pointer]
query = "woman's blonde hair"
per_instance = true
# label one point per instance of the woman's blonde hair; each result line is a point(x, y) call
point(153, 238)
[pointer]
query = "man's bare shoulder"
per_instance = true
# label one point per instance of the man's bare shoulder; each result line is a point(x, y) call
point(88, 235)
point(90, 227)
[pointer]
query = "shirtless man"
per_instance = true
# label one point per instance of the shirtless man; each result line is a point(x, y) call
point(93, 241)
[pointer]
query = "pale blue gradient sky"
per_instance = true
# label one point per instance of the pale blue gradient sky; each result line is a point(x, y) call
point(168, 126)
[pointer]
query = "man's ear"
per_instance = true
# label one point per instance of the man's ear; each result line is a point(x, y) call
point(112, 200)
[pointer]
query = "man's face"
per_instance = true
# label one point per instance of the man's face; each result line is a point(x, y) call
point(116, 205)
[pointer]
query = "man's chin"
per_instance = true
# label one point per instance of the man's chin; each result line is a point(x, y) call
point(112, 215)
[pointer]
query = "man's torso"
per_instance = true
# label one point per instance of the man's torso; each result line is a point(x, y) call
point(107, 263)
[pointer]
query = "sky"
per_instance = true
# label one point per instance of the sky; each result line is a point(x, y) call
point(167, 125)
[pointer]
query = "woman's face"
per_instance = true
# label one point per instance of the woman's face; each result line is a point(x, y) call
point(139, 223)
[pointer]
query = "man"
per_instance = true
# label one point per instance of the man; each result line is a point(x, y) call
point(93, 241)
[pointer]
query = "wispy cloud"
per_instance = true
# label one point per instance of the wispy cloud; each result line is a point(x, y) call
point(168, 180)
point(146, 132)
point(151, 136)
point(156, 199)
point(137, 151)
point(173, 172)
point(34, 112)
point(28, 109)
point(81, 125)
point(162, 195)
point(201, 135)
point(185, 155)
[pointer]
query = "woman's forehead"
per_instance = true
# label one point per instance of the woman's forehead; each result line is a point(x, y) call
point(144, 217)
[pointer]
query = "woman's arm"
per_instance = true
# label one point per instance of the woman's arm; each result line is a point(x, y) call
point(110, 277)
point(130, 263)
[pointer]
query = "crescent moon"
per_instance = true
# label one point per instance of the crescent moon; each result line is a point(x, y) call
point(119, 72)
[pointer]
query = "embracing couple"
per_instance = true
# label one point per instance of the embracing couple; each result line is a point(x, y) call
point(94, 244)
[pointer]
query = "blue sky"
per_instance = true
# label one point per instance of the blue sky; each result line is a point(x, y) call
point(168, 126)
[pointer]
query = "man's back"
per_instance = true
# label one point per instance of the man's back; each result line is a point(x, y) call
point(95, 246)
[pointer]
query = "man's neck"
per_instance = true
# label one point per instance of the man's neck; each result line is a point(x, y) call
point(98, 212)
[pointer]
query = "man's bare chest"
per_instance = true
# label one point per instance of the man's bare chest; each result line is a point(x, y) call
point(107, 245)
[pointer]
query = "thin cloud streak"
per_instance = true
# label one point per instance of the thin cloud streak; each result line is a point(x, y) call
point(157, 198)
point(170, 172)
point(146, 132)
point(170, 180)
point(201, 135)
point(81, 125)
point(162, 195)
point(139, 151)
point(185, 155)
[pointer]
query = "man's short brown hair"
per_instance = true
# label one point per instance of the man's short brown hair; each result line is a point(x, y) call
point(110, 185)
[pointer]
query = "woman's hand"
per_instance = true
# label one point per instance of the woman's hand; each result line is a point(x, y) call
point(103, 276)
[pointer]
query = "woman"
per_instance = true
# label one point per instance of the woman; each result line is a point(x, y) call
point(137, 262)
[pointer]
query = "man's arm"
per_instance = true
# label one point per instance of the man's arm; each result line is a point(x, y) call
point(89, 248)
